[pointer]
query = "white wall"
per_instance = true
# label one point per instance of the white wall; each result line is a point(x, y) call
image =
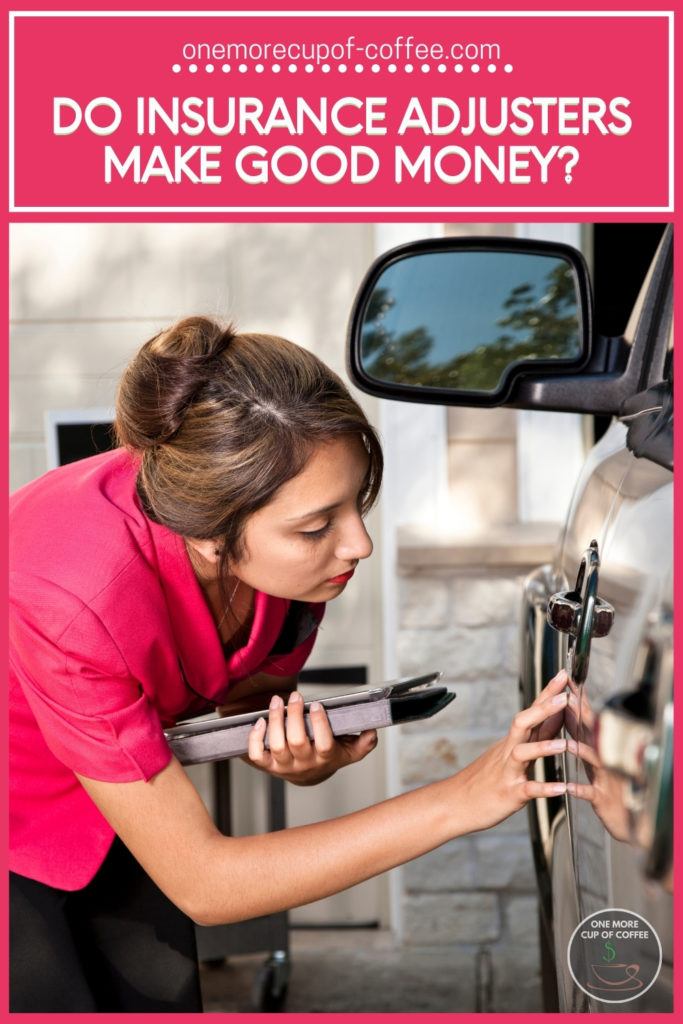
point(545, 484)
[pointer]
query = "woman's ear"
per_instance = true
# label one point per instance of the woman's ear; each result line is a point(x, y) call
point(208, 550)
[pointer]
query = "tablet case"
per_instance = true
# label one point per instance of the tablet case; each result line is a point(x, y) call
point(403, 700)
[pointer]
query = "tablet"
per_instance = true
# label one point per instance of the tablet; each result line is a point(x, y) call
point(400, 700)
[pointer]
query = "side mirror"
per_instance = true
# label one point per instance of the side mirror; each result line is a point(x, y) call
point(461, 321)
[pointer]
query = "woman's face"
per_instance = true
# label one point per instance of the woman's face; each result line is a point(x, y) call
point(304, 544)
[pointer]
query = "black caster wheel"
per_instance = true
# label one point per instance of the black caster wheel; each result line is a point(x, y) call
point(269, 992)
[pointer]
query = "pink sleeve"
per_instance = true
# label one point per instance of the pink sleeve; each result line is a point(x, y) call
point(92, 713)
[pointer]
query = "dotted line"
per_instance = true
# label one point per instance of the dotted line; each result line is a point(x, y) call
point(359, 69)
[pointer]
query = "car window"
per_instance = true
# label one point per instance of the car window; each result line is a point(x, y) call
point(643, 331)
point(634, 319)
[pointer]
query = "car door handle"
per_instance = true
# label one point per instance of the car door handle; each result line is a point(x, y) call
point(581, 613)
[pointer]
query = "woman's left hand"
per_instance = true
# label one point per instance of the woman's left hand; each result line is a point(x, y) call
point(291, 755)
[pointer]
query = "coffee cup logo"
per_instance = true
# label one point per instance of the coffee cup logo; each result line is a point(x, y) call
point(614, 955)
point(622, 977)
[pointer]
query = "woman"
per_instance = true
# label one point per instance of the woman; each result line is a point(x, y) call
point(187, 569)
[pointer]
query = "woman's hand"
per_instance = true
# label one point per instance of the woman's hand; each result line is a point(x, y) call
point(496, 784)
point(292, 755)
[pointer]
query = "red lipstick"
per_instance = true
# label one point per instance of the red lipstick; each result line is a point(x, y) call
point(342, 579)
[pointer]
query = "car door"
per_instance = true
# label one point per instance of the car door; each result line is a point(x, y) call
point(630, 666)
point(620, 846)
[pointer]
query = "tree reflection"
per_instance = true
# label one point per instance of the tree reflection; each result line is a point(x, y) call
point(403, 358)
point(532, 326)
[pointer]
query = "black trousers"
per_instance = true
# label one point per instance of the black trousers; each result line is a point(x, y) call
point(119, 944)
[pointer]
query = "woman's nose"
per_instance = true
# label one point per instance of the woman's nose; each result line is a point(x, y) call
point(355, 543)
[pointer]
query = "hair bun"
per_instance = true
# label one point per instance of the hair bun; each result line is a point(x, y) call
point(165, 377)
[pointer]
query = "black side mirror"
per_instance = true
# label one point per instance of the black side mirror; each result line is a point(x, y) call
point(460, 321)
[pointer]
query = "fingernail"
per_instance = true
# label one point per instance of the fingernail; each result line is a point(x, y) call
point(260, 725)
point(561, 675)
point(316, 706)
point(559, 698)
point(558, 745)
point(295, 697)
point(276, 702)
point(559, 788)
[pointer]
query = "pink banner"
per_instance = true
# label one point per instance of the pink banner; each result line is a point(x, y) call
point(347, 112)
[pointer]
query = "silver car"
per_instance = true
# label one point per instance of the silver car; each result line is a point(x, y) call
point(604, 608)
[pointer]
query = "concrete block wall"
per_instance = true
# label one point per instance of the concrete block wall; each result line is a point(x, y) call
point(475, 896)
point(459, 611)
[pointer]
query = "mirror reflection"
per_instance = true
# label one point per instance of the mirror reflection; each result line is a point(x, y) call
point(460, 319)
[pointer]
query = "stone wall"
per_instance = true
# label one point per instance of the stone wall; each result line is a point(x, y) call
point(476, 896)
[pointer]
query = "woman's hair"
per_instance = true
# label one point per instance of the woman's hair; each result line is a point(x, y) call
point(221, 420)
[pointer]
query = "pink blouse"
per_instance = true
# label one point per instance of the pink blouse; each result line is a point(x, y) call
point(111, 640)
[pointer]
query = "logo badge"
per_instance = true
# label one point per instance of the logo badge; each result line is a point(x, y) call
point(614, 955)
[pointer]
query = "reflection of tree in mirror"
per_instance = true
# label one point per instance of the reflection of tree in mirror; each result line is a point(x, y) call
point(534, 327)
point(402, 359)
point(542, 327)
